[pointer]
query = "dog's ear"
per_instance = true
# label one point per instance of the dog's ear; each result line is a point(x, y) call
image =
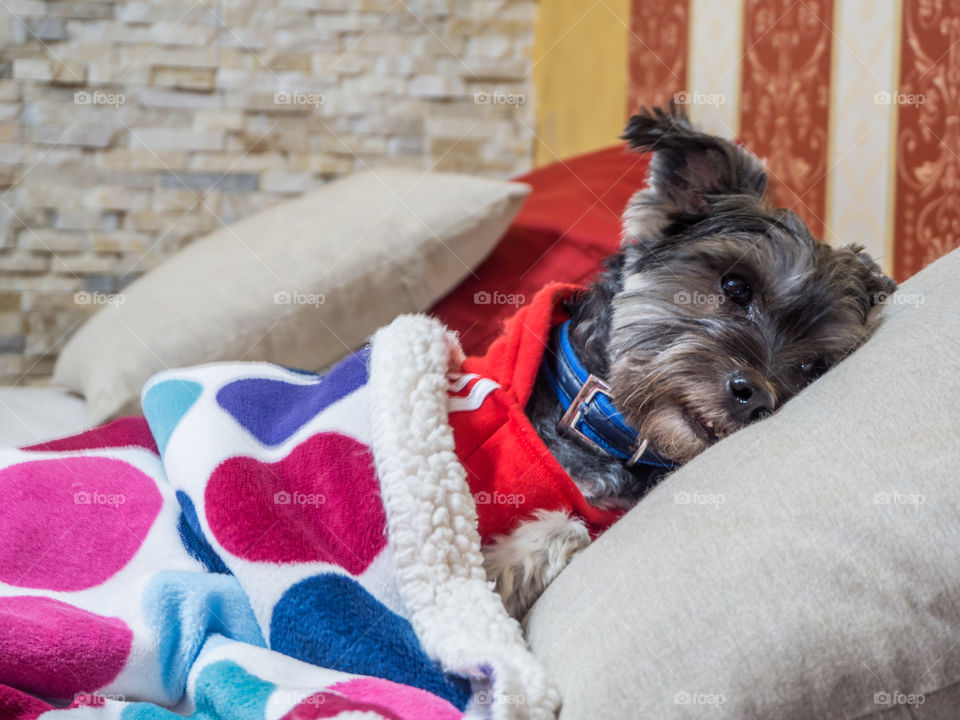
point(690, 168)
point(879, 286)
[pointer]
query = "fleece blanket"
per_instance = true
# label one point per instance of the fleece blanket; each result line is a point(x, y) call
point(267, 544)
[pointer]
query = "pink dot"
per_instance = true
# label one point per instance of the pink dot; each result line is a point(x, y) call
point(71, 523)
point(323, 705)
point(122, 432)
point(20, 705)
point(52, 649)
point(320, 503)
point(407, 702)
point(386, 699)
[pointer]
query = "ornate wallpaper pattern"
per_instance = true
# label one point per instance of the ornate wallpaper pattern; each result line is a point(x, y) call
point(855, 108)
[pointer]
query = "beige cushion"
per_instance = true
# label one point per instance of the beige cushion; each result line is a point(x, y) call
point(807, 567)
point(300, 284)
point(29, 415)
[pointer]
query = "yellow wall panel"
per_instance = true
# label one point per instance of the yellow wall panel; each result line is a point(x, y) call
point(579, 76)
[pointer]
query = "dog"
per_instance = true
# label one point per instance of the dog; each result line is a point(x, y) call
point(716, 310)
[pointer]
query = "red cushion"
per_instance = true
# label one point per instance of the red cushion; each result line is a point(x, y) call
point(568, 225)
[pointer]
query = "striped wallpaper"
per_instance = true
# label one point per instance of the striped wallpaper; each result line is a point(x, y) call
point(854, 105)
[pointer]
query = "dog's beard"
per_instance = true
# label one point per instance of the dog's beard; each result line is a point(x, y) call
point(675, 399)
point(670, 363)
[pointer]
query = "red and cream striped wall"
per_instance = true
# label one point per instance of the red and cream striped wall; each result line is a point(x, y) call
point(854, 104)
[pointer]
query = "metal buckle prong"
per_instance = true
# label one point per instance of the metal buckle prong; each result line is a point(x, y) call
point(638, 453)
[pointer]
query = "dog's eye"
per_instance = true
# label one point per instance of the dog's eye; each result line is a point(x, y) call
point(737, 289)
point(812, 368)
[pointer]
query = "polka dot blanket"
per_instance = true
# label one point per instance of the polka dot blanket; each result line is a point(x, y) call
point(267, 544)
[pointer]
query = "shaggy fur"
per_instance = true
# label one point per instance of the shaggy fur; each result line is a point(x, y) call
point(717, 309)
point(535, 551)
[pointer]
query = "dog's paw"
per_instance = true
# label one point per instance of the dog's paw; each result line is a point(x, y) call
point(524, 562)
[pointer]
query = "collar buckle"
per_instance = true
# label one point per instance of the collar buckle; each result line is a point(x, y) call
point(592, 387)
point(571, 418)
point(594, 420)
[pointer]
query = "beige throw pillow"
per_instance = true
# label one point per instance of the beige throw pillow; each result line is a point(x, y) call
point(806, 567)
point(300, 284)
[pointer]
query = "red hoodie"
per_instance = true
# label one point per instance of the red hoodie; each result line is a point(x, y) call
point(510, 470)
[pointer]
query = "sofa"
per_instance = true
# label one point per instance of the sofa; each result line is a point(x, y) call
point(804, 567)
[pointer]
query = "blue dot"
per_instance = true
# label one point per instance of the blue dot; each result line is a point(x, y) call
point(224, 690)
point(165, 404)
point(193, 539)
point(332, 621)
point(184, 609)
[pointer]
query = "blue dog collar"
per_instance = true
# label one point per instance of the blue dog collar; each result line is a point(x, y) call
point(587, 408)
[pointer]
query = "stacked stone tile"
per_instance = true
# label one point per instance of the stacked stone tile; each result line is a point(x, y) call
point(128, 129)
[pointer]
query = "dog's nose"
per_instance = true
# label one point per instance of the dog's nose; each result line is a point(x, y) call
point(748, 397)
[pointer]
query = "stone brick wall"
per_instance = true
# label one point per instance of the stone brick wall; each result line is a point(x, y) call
point(127, 129)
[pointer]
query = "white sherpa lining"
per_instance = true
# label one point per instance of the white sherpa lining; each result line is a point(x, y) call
point(432, 525)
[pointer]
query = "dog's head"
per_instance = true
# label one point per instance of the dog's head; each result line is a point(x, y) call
point(724, 307)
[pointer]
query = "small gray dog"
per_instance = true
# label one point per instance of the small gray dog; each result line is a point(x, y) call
point(717, 309)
